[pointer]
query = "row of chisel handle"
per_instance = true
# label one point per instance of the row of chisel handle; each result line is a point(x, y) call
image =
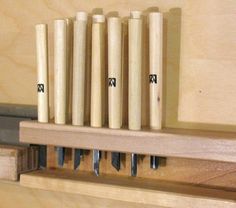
point(113, 26)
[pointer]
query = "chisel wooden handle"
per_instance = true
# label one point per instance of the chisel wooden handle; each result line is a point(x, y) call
point(69, 68)
point(42, 72)
point(79, 61)
point(60, 78)
point(98, 71)
point(99, 18)
point(97, 80)
point(135, 65)
point(115, 80)
point(60, 72)
point(82, 16)
point(114, 72)
point(134, 89)
point(135, 14)
point(155, 69)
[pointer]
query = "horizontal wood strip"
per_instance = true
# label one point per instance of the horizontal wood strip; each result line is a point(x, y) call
point(129, 189)
point(217, 146)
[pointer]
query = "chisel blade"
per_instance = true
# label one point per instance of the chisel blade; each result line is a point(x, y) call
point(96, 160)
point(78, 155)
point(115, 160)
point(42, 156)
point(154, 162)
point(60, 156)
point(134, 162)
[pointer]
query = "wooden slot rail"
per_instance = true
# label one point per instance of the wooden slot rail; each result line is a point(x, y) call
point(138, 190)
point(15, 160)
point(218, 146)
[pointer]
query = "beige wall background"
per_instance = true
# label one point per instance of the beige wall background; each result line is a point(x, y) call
point(199, 54)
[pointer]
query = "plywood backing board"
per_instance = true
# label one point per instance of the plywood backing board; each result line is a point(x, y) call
point(207, 72)
point(15, 160)
point(129, 189)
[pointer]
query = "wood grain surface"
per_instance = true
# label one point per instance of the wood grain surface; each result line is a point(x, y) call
point(42, 72)
point(208, 58)
point(15, 160)
point(28, 197)
point(186, 24)
point(130, 189)
point(167, 142)
point(171, 169)
point(17, 45)
point(60, 71)
point(205, 31)
point(114, 39)
point(79, 69)
point(135, 71)
point(155, 69)
point(98, 78)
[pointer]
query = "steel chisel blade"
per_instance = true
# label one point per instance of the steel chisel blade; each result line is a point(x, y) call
point(154, 162)
point(77, 159)
point(96, 160)
point(134, 162)
point(115, 160)
point(42, 156)
point(61, 156)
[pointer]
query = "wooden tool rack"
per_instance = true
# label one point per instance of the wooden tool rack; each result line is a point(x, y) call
point(198, 168)
point(204, 145)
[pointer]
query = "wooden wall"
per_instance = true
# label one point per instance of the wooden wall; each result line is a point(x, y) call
point(207, 66)
point(199, 64)
point(199, 54)
point(17, 44)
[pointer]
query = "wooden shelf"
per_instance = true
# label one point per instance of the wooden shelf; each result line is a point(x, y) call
point(219, 146)
point(136, 190)
point(14, 195)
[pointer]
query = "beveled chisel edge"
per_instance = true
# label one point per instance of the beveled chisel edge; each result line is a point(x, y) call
point(115, 160)
point(134, 163)
point(154, 162)
point(61, 156)
point(96, 159)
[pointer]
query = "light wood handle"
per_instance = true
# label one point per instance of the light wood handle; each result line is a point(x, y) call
point(60, 72)
point(99, 18)
point(114, 72)
point(69, 68)
point(87, 112)
point(79, 67)
point(155, 70)
point(97, 75)
point(135, 14)
point(42, 72)
point(82, 16)
point(135, 65)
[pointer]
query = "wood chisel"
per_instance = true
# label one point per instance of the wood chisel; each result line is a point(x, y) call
point(60, 79)
point(114, 80)
point(79, 70)
point(134, 85)
point(97, 80)
point(42, 82)
point(155, 75)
